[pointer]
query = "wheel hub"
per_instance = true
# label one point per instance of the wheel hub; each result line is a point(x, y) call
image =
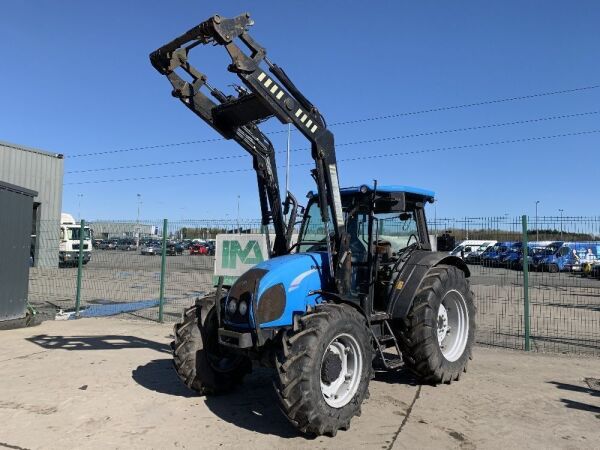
point(331, 368)
point(453, 325)
point(443, 327)
point(341, 370)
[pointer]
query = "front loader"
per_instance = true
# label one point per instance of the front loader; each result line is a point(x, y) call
point(359, 291)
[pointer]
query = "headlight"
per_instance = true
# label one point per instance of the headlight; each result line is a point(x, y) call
point(243, 308)
point(232, 306)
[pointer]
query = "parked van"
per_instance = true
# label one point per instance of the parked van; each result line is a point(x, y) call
point(570, 256)
point(475, 256)
point(538, 254)
point(493, 256)
point(514, 257)
point(463, 249)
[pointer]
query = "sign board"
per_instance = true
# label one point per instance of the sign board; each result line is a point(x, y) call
point(236, 253)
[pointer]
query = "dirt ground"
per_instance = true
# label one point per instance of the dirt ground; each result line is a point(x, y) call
point(108, 383)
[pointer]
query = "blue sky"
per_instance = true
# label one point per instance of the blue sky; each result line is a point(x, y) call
point(77, 79)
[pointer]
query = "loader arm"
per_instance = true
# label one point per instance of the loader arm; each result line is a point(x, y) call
point(237, 118)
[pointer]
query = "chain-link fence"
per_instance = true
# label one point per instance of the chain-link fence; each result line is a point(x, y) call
point(135, 268)
point(562, 290)
point(127, 267)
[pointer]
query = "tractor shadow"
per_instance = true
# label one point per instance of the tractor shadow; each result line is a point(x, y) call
point(252, 406)
point(95, 342)
point(159, 376)
point(590, 386)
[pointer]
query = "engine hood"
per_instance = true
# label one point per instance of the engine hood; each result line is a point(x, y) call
point(276, 289)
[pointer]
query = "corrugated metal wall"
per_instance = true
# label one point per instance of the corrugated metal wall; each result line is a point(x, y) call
point(42, 172)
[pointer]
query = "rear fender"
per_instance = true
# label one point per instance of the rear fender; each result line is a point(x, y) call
point(412, 275)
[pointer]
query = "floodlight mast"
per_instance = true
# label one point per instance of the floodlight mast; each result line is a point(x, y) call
point(237, 118)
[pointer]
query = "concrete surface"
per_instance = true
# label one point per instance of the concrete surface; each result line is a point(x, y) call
point(108, 383)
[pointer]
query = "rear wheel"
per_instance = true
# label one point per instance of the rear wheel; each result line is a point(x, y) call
point(437, 336)
point(324, 369)
point(201, 363)
point(553, 268)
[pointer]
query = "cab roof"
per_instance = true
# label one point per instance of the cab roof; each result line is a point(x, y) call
point(390, 189)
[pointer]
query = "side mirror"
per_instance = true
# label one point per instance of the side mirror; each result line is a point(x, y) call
point(405, 216)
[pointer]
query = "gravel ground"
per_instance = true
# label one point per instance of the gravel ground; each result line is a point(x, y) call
point(108, 383)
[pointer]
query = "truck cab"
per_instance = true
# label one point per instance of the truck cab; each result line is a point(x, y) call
point(70, 239)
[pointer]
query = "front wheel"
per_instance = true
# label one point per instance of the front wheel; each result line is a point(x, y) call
point(200, 362)
point(437, 336)
point(324, 369)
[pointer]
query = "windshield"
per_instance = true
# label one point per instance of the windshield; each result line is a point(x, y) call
point(551, 250)
point(396, 229)
point(314, 231)
point(399, 230)
point(74, 235)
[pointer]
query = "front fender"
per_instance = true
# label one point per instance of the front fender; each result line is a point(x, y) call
point(411, 278)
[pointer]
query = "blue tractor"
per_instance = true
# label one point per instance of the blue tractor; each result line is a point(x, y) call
point(360, 290)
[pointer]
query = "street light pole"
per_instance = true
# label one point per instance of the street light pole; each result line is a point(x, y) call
point(238, 214)
point(561, 222)
point(79, 206)
point(537, 232)
point(137, 221)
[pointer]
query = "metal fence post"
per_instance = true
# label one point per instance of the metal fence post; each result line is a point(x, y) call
point(79, 267)
point(163, 270)
point(526, 285)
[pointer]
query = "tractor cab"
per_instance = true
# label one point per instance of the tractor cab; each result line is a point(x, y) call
point(383, 223)
point(397, 212)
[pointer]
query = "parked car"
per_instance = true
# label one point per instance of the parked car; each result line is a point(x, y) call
point(126, 245)
point(211, 247)
point(108, 245)
point(174, 249)
point(151, 248)
point(199, 249)
point(186, 244)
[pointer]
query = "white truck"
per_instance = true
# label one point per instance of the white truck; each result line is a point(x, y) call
point(68, 249)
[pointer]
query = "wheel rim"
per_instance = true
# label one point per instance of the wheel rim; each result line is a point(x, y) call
point(340, 390)
point(453, 325)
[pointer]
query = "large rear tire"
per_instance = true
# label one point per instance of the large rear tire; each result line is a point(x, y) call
point(437, 336)
point(324, 369)
point(200, 362)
